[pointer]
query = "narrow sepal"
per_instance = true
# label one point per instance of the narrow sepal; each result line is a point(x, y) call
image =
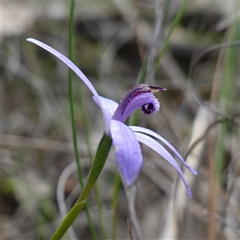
point(157, 147)
point(109, 107)
point(169, 145)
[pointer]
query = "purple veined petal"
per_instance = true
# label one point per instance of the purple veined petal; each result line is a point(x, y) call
point(109, 106)
point(156, 135)
point(72, 66)
point(140, 96)
point(127, 150)
point(157, 147)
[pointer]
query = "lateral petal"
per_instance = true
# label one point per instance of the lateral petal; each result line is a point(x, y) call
point(109, 107)
point(127, 150)
point(157, 147)
point(173, 149)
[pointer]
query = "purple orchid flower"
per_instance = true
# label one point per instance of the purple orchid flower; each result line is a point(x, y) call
point(126, 138)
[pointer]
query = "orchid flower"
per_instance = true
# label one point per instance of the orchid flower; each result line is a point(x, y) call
point(126, 138)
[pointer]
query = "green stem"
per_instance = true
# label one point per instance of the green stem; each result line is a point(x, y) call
point(72, 112)
point(68, 220)
point(228, 97)
point(96, 168)
point(96, 191)
point(70, 92)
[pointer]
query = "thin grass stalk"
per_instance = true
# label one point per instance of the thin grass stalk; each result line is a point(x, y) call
point(83, 113)
point(173, 27)
point(144, 68)
point(115, 195)
point(70, 92)
point(226, 100)
point(143, 72)
point(84, 117)
point(100, 212)
point(227, 96)
point(211, 147)
point(166, 7)
point(72, 112)
point(155, 43)
point(90, 154)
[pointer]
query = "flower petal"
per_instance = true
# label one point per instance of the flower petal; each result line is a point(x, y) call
point(72, 66)
point(128, 151)
point(156, 135)
point(140, 96)
point(109, 107)
point(157, 147)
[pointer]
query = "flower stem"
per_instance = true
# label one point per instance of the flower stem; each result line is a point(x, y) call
point(68, 220)
point(72, 111)
point(96, 168)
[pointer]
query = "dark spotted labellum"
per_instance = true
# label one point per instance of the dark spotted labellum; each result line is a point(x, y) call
point(140, 96)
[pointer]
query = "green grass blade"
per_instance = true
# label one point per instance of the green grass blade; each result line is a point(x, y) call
point(72, 112)
point(228, 96)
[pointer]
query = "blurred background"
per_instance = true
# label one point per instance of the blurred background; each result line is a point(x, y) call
point(193, 47)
